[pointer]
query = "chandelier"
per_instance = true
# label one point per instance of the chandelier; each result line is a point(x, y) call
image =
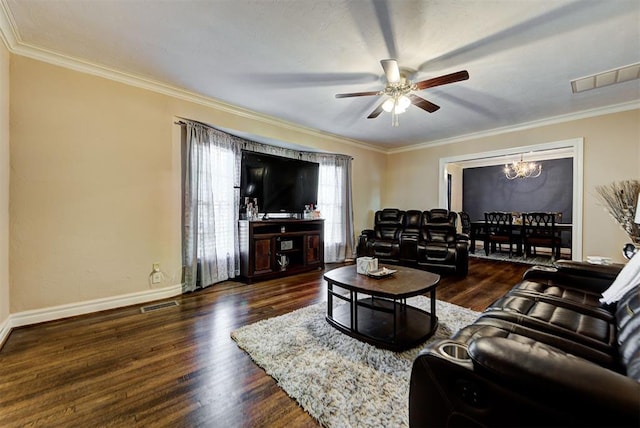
point(521, 169)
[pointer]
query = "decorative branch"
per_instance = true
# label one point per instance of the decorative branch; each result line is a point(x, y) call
point(620, 200)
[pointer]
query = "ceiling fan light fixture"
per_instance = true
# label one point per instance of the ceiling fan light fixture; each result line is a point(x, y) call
point(398, 105)
point(403, 103)
point(399, 91)
point(388, 105)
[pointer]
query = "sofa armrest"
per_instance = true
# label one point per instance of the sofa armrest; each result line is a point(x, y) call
point(578, 279)
point(363, 248)
point(462, 257)
point(368, 233)
point(462, 237)
point(608, 272)
point(549, 375)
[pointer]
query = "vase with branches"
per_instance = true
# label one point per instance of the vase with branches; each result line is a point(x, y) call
point(620, 199)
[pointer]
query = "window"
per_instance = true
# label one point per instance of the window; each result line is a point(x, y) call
point(334, 197)
point(222, 201)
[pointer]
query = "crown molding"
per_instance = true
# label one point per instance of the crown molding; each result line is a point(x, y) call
point(16, 46)
point(86, 67)
point(8, 34)
point(632, 105)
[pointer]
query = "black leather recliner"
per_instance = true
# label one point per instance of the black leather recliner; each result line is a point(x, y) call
point(441, 246)
point(423, 239)
point(385, 236)
point(547, 353)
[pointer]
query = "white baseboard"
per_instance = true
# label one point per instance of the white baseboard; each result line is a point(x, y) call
point(5, 329)
point(36, 316)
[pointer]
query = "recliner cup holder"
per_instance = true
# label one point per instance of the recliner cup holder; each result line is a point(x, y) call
point(454, 351)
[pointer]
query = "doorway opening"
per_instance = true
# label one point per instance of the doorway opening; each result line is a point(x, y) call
point(451, 169)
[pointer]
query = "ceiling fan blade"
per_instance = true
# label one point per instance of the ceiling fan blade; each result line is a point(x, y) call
point(391, 70)
point(443, 80)
point(423, 104)
point(375, 113)
point(358, 94)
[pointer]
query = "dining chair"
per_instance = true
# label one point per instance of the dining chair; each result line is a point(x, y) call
point(465, 222)
point(500, 231)
point(539, 230)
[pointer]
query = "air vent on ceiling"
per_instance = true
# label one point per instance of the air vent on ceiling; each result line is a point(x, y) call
point(606, 78)
point(159, 306)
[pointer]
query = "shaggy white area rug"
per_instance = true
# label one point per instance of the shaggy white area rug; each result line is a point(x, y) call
point(338, 380)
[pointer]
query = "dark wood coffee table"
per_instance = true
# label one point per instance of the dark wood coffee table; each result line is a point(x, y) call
point(382, 317)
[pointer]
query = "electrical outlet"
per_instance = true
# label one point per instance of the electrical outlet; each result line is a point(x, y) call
point(156, 278)
point(156, 267)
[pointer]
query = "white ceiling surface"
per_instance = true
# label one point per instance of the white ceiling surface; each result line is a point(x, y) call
point(287, 59)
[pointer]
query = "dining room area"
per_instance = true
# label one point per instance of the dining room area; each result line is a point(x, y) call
point(532, 237)
point(518, 207)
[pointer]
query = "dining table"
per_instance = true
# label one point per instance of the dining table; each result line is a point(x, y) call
point(478, 231)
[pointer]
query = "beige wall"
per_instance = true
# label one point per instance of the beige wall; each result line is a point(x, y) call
point(611, 153)
point(95, 195)
point(4, 184)
point(95, 183)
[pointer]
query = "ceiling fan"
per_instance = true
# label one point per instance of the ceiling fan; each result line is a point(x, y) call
point(400, 91)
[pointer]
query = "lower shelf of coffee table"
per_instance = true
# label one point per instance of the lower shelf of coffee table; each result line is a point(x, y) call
point(374, 323)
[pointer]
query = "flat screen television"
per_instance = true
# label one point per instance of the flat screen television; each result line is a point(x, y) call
point(281, 185)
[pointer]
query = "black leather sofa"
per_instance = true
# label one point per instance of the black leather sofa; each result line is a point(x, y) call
point(547, 353)
point(422, 239)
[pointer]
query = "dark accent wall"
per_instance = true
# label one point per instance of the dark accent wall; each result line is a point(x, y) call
point(487, 189)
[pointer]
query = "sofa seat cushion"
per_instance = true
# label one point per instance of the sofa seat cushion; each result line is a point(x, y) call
point(495, 327)
point(385, 250)
point(564, 322)
point(435, 251)
point(384, 246)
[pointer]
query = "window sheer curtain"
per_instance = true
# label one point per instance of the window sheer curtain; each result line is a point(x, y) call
point(211, 202)
point(210, 249)
point(335, 204)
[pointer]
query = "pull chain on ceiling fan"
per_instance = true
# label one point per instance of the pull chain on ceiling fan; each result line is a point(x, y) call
point(399, 91)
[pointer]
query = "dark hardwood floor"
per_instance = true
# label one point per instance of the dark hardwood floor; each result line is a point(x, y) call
point(178, 366)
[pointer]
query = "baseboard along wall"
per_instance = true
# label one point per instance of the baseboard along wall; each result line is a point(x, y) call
point(53, 313)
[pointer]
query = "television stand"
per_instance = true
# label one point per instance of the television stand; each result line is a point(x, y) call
point(280, 247)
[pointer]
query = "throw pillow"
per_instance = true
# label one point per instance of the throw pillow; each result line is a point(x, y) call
point(628, 278)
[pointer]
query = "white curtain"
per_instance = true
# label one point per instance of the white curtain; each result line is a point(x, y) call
point(210, 207)
point(335, 204)
point(334, 197)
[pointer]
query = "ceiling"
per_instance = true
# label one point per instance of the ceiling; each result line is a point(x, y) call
point(287, 59)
